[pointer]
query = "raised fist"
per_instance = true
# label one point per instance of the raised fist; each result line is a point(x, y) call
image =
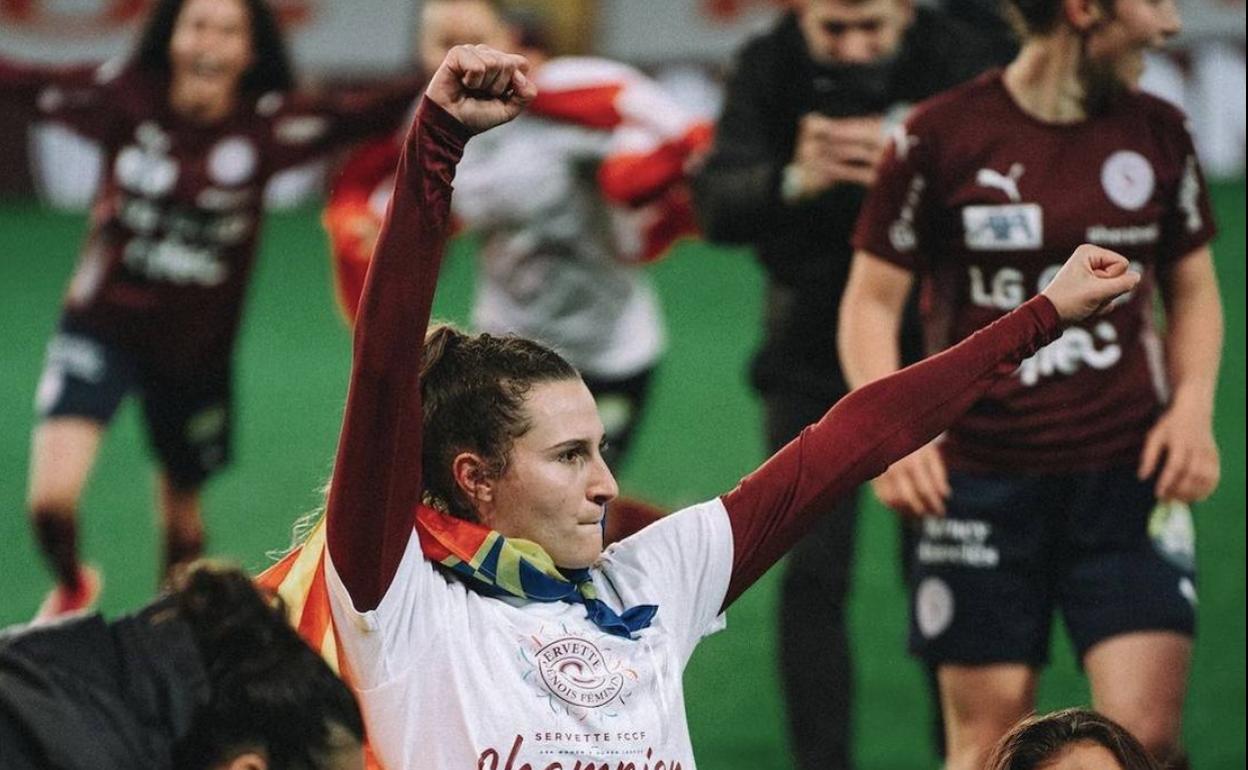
point(1089, 281)
point(481, 87)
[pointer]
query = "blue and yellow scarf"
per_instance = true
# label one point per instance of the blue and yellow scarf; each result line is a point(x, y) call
point(499, 566)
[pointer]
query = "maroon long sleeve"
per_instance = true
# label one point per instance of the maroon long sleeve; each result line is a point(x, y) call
point(867, 431)
point(376, 481)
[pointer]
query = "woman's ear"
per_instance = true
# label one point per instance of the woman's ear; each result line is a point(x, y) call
point(473, 478)
point(1084, 15)
point(250, 759)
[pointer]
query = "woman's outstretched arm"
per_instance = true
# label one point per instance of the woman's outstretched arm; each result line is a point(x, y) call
point(376, 482)
point(86, 98)
point(884, 421)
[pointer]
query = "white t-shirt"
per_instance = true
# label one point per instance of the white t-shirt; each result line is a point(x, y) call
point(449, 679)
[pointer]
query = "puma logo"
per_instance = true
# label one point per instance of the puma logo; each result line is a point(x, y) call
point(1006, 183)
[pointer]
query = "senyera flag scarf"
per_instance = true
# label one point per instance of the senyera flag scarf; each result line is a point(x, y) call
point(483, 558)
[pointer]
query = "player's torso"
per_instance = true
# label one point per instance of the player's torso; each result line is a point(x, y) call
point(553, 274)
point(175, 223)
point(547, 689)
point(1013, 198)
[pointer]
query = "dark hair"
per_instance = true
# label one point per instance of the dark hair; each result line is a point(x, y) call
point(268, 688)
point(1037, 740)
point(270, 66)
point(474, 388)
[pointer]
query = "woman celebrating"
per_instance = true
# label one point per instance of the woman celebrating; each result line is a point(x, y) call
point(192, 127)
point(1067, 486)
point(477, 614)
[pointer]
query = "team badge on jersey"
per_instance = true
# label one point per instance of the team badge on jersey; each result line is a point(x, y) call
point(574, 671)
point(1009, 227)
point(1128, 179)
point(232, 161)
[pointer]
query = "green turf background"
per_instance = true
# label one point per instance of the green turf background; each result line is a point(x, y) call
point(701, 434)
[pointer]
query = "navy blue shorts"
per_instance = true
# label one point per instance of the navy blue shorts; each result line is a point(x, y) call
point(1098, 547)
point(188, 419)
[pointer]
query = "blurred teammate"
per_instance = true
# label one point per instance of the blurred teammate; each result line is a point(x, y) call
point(1067, 486)
point(804, 125)
point(192, 127)
point(569, 200)
point(480, 619)
point(209, 677)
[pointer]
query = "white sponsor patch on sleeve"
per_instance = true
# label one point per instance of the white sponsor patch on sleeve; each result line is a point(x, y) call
point(1189, 196)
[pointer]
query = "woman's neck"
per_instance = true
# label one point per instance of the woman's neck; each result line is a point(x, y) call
point(1044, 79)
point(200, 105)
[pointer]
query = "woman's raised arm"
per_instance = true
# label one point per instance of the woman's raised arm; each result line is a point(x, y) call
point(885, 420)
point(376, 482)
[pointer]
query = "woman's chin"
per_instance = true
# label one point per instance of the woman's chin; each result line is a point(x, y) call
point(586, 551)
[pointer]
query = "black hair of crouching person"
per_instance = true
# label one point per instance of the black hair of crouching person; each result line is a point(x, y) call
point(191, 680)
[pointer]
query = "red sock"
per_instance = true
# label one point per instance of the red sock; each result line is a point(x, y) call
point(58, 538)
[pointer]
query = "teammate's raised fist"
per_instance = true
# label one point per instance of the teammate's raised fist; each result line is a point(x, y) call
point(481, 87)
point(1089, 281)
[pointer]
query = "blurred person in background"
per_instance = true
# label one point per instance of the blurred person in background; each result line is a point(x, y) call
point(806, 114)
point(1067, 486)
point(570, 201)
point(1071, 739)
point(193, 124)
point(479, 617)
point(208, 677)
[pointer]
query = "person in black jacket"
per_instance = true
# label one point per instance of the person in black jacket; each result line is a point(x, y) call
point(209, 677)
point(808, 109)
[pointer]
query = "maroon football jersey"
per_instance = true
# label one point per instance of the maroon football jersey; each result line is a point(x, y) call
point(174, 225)
point(987, 203)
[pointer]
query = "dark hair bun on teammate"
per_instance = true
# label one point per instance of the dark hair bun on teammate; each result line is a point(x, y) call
point(268, 688)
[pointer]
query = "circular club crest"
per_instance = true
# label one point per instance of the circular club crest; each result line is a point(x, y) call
point(574, 671)
point(232, 161)
point(933, 607)
point(1128, 179)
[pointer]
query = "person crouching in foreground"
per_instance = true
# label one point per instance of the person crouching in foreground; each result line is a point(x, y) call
point(208, 677)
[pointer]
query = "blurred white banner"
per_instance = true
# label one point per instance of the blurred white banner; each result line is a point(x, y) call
point(358, 37)
point(656, 31)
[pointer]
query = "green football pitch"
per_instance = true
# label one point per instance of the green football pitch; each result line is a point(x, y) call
point(701, 434)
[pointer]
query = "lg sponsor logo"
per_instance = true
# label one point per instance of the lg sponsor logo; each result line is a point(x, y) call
point(1077, 348)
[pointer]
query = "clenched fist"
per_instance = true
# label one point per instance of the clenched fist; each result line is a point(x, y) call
point(481, 87)
point(1089, 281)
